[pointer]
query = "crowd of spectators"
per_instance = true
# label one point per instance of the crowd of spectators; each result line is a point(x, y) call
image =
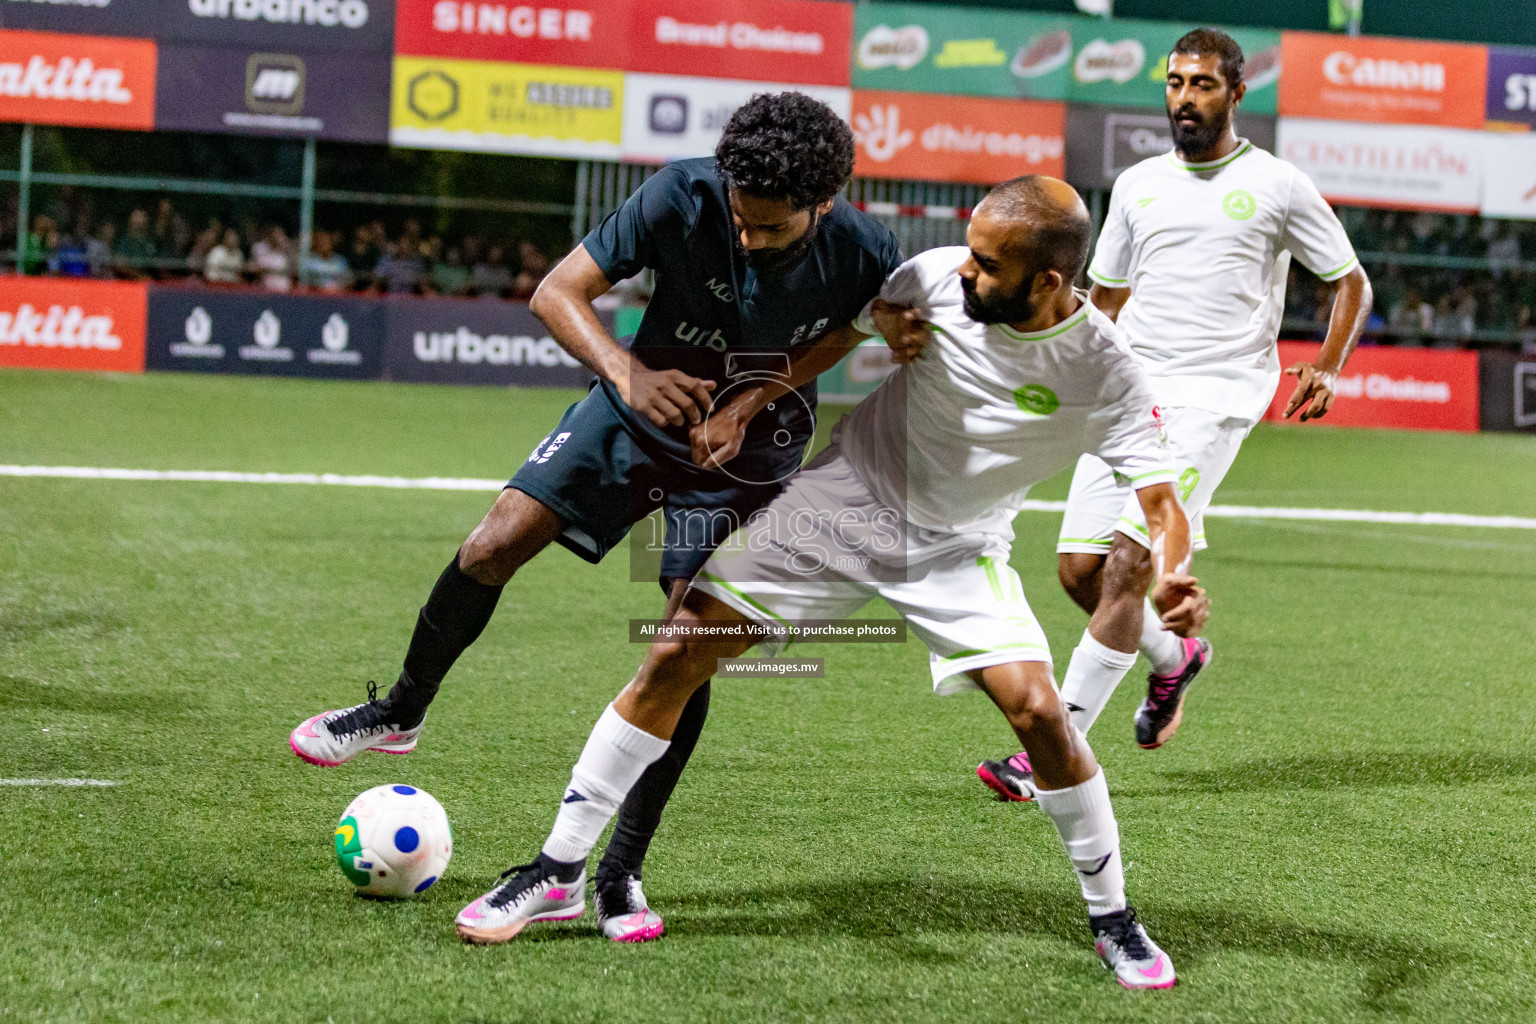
point(1439, 279)
point(161, 246)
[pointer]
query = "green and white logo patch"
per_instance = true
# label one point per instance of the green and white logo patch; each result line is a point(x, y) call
point(1036, 399)
point(1188, 481)
point(1239, 205)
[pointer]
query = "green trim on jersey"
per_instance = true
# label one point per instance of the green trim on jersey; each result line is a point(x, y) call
point(1021, 645)
point(1050, 332)
point(1243, 147)
point(1108, 282)
point(1096, 542)
point(712, 578)
point(1133, 524)
point(1341, 270)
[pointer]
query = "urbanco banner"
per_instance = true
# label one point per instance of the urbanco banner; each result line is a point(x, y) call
point(52, 323)
point(205, 330)
point(1375, 79)
point(952, 138)
point(476, 341)
point(87, 17)
point(798, 42)
point(1410, 166)
point(342, 96)
point(673, 117)
point(85, 81)
point(1403, 388)
point(572, 33)
point(286, 25)
point(506, 108)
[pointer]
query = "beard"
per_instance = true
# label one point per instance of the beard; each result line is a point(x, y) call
point(1000, 309)
point(780, 261)
point(1200, 137)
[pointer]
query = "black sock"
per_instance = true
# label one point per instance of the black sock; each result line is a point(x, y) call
point(640, 815)
point(453, 618)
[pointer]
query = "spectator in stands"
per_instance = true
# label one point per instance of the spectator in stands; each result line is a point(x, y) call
point(98, 249)
point(1503, 249)
point(34, 257)
point(1412, 316)
point(66, 257)
point(491, 277)
point(324, 268)
point(451, 276)
point(272, 261)
point(171, 234)
point(400, 270)
point(364, 255)
point(136, 249)
point(225, 263)
point(203, 244)
point(534, 265)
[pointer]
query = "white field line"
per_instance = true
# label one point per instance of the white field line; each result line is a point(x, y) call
point(439, 483)
point(57, 782)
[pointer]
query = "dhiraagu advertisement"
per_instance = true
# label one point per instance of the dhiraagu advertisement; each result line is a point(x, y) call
point(961, 51)
point(1124, 63)
point(506, 108)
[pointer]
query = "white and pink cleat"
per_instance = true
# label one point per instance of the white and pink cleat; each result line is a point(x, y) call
point(335, 737)
point(1124, 946)
point(529, 894)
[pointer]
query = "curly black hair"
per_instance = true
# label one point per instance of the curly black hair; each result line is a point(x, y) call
point(786, 146)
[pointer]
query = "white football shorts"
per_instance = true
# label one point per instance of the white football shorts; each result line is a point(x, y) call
point(1202, 446)
point(826, 546)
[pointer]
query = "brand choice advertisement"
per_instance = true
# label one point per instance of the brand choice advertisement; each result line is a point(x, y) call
point(286, 335)
point(329, 95)
point(291, 25)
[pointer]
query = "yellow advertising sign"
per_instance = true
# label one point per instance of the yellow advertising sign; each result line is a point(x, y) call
point(506, 108)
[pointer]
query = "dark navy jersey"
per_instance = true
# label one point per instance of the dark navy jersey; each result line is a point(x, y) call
point(713, 317)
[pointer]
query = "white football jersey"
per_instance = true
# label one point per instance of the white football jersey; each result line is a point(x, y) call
point(954, 441)
point(1203, 249)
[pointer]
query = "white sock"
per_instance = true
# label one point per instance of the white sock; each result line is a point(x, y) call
point(1163, 649)
point(1092, 675)
point(1086, 821)
point(615, 757)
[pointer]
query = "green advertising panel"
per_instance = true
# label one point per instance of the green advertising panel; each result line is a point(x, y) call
point(961, 51)
point(1123, 63)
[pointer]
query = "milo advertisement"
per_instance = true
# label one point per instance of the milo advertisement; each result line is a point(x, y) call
point(961, 51)
point(1124, 63)
point(967, 51)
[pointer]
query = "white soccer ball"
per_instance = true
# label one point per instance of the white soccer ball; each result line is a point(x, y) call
point(393, 841)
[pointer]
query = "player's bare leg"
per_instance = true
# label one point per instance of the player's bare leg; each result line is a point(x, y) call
point(1070, 788)
point(634, 732)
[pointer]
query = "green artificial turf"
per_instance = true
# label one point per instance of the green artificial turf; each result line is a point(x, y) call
point(1342, 830)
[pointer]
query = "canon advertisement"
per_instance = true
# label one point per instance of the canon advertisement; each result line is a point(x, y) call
point(86, 17)
point(1103, 141)
point(206, 331)
point(284, 25)
point(473, 341)
point(330, 95)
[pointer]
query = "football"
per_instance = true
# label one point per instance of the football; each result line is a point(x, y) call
point(393, 841)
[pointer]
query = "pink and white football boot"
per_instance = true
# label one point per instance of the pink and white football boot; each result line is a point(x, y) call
point(335, 737)
point(527, 894)
point(1124, 946)
point(622, 911)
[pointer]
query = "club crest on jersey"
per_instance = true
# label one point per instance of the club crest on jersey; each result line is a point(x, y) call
point(1239, 205)
point(1036, 400)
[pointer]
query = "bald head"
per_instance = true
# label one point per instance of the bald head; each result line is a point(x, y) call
point(1028, 241)
point(1046, 221)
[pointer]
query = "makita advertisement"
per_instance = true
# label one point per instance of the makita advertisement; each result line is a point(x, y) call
point(89, 81)
point(328, 95)
point(88, 17)
point(285, 25)
point(62, 324)
point(205, 331)
point(472, 341)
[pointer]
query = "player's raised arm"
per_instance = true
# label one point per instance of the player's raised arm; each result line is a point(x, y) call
point(1180, 600)
point(564, 302)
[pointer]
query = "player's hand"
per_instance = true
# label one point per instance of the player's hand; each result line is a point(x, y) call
point(1314, 386)
point(903, 328)
point(718, 439)
point(665, 396)
point(1181, 603)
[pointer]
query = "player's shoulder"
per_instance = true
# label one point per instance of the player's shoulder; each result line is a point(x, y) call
point(684, 184)
point(848, 226)
point(1106, 343)
point(929, 278)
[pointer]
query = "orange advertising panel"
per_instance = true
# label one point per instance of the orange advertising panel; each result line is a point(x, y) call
point(52, 323)
point(1368, 78)
point(1400, 388)
point(956, 138)
point(92, 81)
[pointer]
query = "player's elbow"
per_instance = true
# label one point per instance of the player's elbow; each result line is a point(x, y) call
point(544, 298)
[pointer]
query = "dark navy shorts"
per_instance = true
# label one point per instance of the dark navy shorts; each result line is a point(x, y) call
point(593, 474)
